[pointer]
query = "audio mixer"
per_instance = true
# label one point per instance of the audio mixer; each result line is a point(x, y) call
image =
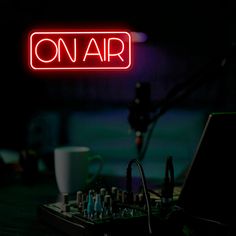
point(108, 213)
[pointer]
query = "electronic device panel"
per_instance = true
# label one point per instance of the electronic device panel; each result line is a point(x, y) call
point(107, 212)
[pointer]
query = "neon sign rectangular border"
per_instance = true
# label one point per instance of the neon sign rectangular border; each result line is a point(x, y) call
point(80, 68)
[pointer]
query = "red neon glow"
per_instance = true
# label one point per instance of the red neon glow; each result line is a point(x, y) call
point(36, 50)
point(87, 53)
point(109, 54)
point(59, 50)
point(80, 50)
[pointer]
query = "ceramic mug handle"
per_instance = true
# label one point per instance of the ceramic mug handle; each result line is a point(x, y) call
point(98, 159)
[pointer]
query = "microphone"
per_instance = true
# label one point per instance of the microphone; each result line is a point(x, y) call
point(139, 112)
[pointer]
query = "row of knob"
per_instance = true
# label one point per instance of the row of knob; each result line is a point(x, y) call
point(97, 205)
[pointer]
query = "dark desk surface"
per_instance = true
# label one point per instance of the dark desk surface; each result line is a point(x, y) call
point(19, 203)
point(18, 208)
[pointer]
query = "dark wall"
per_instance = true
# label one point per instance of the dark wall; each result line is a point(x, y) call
point(182, 39)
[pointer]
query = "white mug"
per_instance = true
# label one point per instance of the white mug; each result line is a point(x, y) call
point(72, 167)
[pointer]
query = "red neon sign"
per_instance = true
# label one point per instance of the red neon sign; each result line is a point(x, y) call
point(107, 50)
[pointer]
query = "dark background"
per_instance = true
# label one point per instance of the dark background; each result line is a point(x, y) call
point(182, 38)
point(187, 41)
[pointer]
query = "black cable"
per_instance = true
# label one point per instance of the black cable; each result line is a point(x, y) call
point(168, 186)
point(191, 217)
point(170, 171)
point(148, 138)
point(155, 193)
point(145, 189)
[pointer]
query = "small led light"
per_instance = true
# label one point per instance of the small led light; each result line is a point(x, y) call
point(139, 37)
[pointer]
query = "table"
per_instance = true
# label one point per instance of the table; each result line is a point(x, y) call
point(19, 202)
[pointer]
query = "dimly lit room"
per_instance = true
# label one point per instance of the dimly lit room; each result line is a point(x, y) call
point(117, 118)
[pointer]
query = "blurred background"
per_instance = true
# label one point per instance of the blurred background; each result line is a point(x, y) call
point(176, 43)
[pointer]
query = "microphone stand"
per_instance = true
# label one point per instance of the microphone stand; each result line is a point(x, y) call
point(183, 90)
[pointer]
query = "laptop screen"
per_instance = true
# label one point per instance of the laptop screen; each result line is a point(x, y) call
point(209, 188)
